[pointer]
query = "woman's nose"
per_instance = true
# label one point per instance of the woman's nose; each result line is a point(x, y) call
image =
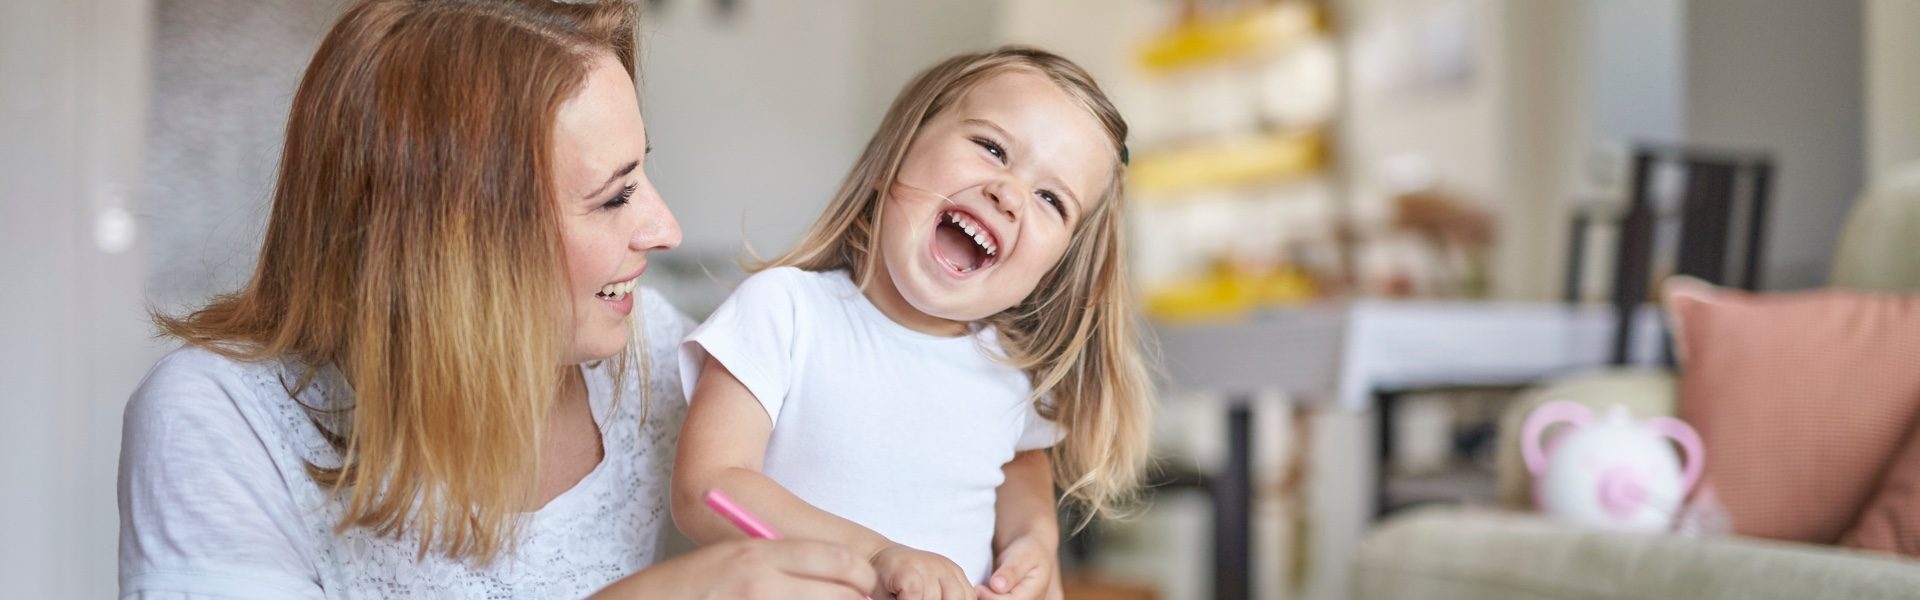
point(658, 230)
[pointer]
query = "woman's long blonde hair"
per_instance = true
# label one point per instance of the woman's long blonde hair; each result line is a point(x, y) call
point(414, 244)
point(1075, 336)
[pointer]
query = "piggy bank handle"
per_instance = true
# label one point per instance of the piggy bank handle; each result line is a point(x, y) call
point(1689, 441)
point(1557, 411)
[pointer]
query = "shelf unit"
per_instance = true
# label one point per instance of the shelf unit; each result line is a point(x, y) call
point(1239, 198)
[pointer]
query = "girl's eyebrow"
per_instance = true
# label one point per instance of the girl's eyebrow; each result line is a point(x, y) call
point(1065, 188)
point(989, 125)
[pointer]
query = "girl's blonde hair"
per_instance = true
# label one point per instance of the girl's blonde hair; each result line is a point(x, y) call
point(415, 245)
point(1075, 335)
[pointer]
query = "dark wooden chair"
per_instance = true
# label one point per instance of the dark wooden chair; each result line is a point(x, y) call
point(1691, 211)
point(1719, 218)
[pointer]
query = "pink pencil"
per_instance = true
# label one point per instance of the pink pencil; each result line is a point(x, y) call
point(732, 511)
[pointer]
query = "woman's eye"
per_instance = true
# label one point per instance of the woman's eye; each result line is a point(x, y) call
point(625, 195)
point(992, 148)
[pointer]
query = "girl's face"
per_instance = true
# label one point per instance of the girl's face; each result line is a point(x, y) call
point(1019, 163)
point(610, 215)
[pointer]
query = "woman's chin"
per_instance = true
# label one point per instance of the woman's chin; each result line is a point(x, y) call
point(599, 349)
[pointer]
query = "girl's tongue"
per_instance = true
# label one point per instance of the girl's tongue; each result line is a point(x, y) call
point(953, 245)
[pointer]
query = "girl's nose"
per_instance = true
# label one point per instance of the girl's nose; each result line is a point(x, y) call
point(1008, 195)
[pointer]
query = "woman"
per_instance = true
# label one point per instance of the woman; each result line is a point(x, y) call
point(432, 386)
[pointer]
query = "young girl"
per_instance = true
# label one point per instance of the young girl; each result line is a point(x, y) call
point(894, 381)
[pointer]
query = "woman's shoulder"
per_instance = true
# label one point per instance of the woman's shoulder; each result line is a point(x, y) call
point(208, 392)
point(192, 379)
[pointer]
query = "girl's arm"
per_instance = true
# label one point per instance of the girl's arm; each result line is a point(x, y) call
point(1026, 531)
point(723, 445)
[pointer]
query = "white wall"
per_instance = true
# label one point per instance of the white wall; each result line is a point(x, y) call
point(1785, 77)
point(1893, 83)
point(72, 338)
point(223, 76)
point(756, 118)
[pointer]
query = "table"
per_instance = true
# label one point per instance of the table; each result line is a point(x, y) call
point(1335, 356)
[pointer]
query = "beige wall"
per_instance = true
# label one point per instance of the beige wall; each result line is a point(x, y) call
point(1786, 77)
point(72, 339)
point(1893, 83)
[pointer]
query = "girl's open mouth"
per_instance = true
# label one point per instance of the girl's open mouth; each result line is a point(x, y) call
point(962, 243)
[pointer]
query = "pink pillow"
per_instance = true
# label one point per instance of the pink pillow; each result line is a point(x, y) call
point(1891, 522)
point(1802, 399)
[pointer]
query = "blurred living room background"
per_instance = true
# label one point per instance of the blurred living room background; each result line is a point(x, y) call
point(1364, 232)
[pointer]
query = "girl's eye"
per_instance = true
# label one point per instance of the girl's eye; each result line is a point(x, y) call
point(625, 195)
point(992, 148)
point(1054, 201)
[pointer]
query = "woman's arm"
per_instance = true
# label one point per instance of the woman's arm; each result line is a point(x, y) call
point(752, 569)
point(203, 509)
point(1026, 532)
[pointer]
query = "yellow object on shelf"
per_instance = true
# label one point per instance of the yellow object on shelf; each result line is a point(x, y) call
point(1248, 32)
point(1229, 293)
point(1263, 159)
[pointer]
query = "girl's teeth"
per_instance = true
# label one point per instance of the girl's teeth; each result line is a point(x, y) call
point(979, 234)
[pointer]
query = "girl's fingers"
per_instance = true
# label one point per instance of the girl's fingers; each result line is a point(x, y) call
point(1029, 585)
point(1009, 574)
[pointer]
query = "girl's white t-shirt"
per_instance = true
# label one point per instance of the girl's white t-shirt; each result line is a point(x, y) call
point(902, 432)
point(215, 500)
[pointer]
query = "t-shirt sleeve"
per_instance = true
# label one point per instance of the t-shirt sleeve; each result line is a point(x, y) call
point(752, 334)
point(204, 512)
point(1039, 431)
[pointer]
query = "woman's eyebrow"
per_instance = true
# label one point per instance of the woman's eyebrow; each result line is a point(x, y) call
point(617, 174)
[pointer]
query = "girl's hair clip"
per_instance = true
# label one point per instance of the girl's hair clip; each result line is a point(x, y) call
point(1124, 158)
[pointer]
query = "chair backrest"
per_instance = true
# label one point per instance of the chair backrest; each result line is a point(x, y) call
point(1880, 247)
point(1712, 229)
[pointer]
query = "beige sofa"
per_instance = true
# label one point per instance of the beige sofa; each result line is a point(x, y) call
point(1500, 553)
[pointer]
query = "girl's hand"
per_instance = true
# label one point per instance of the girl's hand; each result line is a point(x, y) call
point(909, 574)
point(1024, 570)
point(753, 569)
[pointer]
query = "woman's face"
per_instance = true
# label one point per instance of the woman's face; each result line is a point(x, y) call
point(610, 215)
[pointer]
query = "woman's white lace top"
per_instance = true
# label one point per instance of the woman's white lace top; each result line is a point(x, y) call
point(215, 500)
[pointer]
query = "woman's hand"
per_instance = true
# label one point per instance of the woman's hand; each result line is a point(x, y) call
point(753, 569)
point(909, 574)
point(1023, 570)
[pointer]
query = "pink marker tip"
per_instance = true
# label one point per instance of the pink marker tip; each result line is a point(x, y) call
point(739, 516)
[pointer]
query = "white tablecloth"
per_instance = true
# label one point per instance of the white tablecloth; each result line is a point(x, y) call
point(1340, 354)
